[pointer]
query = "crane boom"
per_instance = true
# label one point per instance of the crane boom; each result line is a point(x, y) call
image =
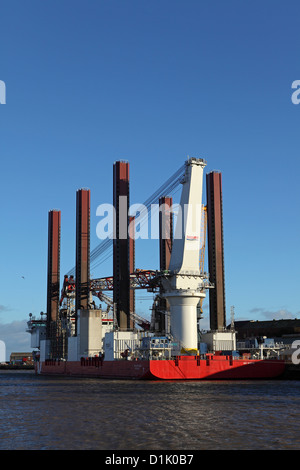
point(185, 285)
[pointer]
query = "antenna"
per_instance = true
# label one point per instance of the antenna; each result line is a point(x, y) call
point(232, 317)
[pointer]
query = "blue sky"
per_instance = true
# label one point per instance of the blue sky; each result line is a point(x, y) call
point(91, 82)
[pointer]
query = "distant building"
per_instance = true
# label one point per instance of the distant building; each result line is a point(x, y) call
point(17, 358)
point(270, 329)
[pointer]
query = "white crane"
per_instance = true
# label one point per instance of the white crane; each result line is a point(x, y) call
point(185, 285)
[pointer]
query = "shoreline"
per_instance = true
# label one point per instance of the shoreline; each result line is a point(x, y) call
point(16, 367)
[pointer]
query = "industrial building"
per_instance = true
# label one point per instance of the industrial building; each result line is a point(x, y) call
point(286, 329)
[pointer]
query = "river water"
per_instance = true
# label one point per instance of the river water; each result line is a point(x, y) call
point(49, 413)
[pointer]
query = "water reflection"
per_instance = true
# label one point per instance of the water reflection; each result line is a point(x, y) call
point(68, 413)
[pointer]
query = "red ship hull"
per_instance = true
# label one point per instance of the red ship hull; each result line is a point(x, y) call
point(181, 368)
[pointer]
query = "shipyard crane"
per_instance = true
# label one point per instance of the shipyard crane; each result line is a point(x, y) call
point(142, 322)
point(140, 279)
point(184, 285)
point(106, 299)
